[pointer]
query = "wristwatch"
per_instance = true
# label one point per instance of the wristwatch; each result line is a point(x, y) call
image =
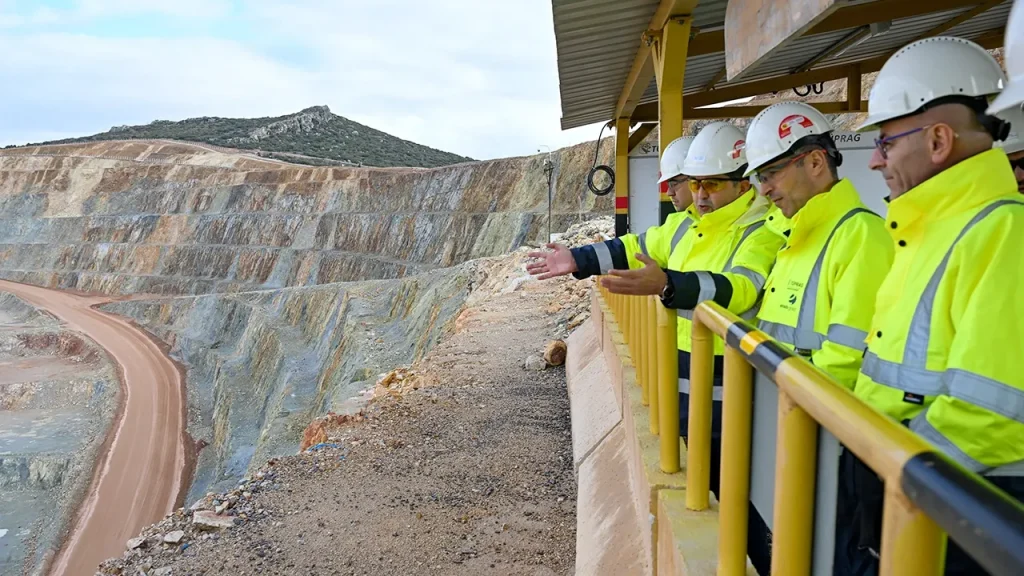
point(668, 292)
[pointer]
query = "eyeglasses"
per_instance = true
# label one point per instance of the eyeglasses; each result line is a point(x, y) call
point(710, 185)
point(884, 144)
point(766, 175)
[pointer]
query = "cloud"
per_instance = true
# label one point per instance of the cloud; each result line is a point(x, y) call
point(476, 78)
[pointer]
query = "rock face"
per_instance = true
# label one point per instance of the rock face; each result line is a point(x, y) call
point(262, 365)
point(123, 227)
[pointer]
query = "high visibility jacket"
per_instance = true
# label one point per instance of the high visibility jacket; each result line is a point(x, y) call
point(725, 257)
point(658, 243)
point(820, 297)
point(946, 342)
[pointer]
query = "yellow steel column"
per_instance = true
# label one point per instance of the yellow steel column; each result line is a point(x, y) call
point(905, 527)
point(621, 176)
point(670, 67)
point(638, 350)
point(698, 437)
point(627, 325)
point(651, 356)
point(668, 389)
point(795, 469)
point(737, 406)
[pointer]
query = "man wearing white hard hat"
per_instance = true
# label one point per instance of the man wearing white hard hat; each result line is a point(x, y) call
point(1009, 105)
point(657, 242)
point(819, 298)
point(945, 342)
point(1013, 94)
point(1014, 143)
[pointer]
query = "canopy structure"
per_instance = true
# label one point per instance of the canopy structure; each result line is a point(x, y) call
point(643, 61)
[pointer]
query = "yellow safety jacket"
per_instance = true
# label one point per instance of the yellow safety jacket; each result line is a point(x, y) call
point(820, 297)
point(728, 255)
point(946, 343)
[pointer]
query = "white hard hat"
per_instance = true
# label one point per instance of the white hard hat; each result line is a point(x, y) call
point(774, 131)
point(1013, 94)
point(673, 156)
point(929, 69)
point(1015, 141)
point(717, 149)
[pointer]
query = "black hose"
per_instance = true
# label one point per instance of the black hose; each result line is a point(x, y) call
point(819, 88)
point(797, 91)
point(594, 169)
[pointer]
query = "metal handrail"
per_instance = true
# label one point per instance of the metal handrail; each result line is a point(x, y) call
point(926, 494)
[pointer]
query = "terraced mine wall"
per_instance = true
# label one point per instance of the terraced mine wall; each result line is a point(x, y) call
point(106, 224)
point(262, 365)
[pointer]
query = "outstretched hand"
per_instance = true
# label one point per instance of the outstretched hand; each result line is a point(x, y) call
point(649, 280)
point(558, 262)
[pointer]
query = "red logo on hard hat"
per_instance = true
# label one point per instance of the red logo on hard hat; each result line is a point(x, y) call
point(737, 148)
point(662, 186)
point(787, 124)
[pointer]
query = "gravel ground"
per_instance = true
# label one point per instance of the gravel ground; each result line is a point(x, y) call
point(463, 466)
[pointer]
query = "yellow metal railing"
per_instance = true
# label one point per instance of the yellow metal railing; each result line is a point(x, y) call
point(807, 397)
point(650, 332)
point(912, 543)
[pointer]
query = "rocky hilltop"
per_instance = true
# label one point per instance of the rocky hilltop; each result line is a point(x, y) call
point(310, 136)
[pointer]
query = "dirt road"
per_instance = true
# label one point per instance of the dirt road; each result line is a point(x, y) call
point(138, 480)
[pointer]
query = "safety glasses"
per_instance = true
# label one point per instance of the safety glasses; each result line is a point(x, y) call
point(884, 144)
point(710, 185)
point(766, 175)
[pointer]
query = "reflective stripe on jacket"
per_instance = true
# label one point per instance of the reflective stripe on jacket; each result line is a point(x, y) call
point(820, 297)
point(657, 242)
point(946, 342)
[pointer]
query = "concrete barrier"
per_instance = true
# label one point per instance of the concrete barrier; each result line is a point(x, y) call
point(631, 516)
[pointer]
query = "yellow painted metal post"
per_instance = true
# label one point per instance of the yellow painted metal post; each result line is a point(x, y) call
point(638, 349)
point(737, 409)
point(670, 68)
point(796, 458)
point(698, 437)
point(651, 357)
point(627, 325)
point(668, 389)
point(911, 542)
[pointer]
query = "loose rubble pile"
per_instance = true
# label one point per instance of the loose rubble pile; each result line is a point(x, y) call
point(203, 521)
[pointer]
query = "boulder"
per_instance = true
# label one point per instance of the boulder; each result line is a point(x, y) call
point(554, 354)
point(535, 363)
point(206, 520)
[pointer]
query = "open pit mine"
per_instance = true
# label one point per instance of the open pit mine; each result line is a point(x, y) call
point(172, 315)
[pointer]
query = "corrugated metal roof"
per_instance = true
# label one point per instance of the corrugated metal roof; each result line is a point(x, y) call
point(597, 41)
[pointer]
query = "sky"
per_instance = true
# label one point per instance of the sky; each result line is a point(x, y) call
point(473, 77)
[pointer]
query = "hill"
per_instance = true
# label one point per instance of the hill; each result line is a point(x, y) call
point(307, 137)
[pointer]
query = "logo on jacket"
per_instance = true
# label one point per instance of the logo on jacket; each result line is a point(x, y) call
point(792, 299)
